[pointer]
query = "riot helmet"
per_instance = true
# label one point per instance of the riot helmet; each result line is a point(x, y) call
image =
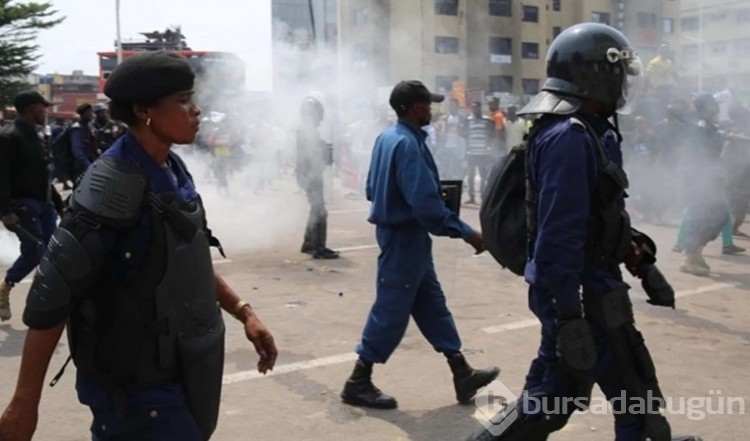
point(312, 110)
point(706, 106)
point(589, 61)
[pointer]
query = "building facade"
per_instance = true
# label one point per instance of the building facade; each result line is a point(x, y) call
point(498, 46)
point(714, 44)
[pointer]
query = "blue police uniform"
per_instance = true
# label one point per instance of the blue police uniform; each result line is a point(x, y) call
point(404, 188)
point(25, 189)
point(159, 413)
point(80, 144)
point(563, 167)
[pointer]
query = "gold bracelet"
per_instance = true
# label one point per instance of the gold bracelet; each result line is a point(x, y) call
point(238, 308)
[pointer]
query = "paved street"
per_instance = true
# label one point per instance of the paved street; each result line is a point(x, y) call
point(316, 310)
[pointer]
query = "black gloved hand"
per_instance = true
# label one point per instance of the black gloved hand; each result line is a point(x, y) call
point(576, 348)
point(658, 289)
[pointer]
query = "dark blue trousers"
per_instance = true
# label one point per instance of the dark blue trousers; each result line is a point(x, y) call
point(407, 286)
point(546, 377)
point(145, 424)
point(39, 218)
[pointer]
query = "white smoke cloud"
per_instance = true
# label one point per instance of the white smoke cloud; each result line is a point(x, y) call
point(9, 250)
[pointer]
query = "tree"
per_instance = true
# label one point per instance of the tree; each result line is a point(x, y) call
point(20, 24)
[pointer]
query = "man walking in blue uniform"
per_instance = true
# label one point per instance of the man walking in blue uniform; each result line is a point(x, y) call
point(407, 206)
point(579, 235)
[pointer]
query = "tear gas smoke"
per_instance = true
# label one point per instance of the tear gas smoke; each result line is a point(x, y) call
point(8, 247)
point(258, 202)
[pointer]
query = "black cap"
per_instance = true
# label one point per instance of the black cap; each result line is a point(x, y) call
point(27, 98)
point(83, 108)
point(406, 93)
point(147, 77)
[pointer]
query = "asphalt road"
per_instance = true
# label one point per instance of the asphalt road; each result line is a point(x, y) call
point(316, 310)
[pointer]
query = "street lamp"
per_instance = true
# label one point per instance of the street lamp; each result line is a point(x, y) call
point(119, 39)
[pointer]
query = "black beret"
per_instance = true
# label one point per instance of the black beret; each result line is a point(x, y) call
point(83, 108)
point(27, 98)
point(149, 76)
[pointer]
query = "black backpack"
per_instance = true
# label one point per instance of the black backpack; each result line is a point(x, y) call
point(62, 153)
point(508, 202)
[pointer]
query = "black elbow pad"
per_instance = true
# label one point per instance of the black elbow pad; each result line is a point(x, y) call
point(66, 268)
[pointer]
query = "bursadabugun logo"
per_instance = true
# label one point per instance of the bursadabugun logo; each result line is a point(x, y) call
point(496, 408)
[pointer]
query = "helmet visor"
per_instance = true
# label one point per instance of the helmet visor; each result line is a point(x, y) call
point(632, 82)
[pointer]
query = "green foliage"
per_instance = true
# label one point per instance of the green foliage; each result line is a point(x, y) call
point(20, 23)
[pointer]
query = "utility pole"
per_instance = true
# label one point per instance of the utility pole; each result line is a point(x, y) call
point(119, 37)
point(702, 52)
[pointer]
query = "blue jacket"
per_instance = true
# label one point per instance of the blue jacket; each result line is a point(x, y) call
point(563, 167)
point(404, 187)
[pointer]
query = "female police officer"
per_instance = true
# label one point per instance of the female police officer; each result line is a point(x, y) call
point(129, 270)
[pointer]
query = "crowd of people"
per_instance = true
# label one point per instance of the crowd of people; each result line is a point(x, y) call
point(687, 154)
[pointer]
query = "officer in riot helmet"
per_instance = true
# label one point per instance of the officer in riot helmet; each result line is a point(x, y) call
point(576, 247)
point(313, 156)
point(129, 272)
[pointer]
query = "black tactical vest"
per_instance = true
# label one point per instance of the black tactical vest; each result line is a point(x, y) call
point(154, 321)
point(608, 226)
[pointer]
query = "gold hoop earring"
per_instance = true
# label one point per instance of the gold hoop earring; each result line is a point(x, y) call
point(148, 122)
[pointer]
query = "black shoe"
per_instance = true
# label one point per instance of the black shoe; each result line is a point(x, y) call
point(359, 390)
point(307, 249)
point(466, 380)
point(482, 435)
point(325, 253)
point(732, 249)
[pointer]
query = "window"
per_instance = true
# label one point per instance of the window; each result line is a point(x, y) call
point(501, 83)
point(719, 48)
point(446, 7)
point(359, 16)
point(646, 20)
point(556, 5)
point(691, 23)
point(360, 55)
point(501, 8)
point(530, 87)
point(601, 17)
point(556, 31)
point(531, 14)
point(446, 45)
point(444, 83)
point(501, 46)
point(718, 16)
point(690, 54)
point(742, 47)
point(501, 50)
point(668, 26)
point(530, 50)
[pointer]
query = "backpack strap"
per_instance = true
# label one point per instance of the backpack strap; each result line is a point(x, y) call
point(606, 165)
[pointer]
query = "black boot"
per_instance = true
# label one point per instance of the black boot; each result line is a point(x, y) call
point(325, 253)
point(359, 390)
point(467, 380)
